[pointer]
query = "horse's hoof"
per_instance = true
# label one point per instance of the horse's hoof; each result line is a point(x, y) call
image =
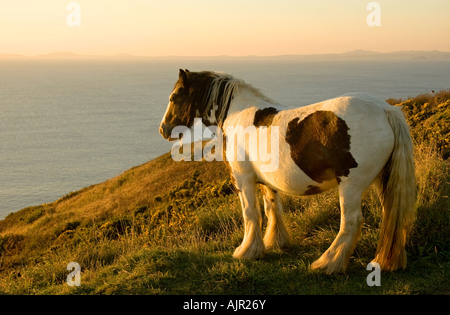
point(248, 253)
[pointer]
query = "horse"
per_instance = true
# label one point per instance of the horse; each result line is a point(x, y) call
point(349, 142)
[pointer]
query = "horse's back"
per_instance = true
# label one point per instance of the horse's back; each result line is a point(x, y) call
point(348, 105)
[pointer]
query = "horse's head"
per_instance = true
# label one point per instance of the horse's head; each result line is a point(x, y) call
point(205, 95)
point(179, 111)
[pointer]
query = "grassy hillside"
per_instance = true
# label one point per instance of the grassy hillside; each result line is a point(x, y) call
point(170, 227)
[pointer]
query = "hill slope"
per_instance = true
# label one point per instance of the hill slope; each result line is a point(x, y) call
point(168, 227)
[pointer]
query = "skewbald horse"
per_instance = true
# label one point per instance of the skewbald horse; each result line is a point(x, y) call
point(351, 141)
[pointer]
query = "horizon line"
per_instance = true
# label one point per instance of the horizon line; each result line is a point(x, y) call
point(358, 53)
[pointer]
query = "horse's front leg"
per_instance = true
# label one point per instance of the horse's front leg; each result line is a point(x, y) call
point(252, 246)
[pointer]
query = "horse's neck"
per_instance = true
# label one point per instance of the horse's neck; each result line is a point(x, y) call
point(247, 97)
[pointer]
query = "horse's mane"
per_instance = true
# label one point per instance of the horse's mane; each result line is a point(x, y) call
point(214, 92)
point(221, 92)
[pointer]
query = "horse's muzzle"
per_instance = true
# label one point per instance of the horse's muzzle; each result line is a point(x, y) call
point(166, 131)
point(163, 130)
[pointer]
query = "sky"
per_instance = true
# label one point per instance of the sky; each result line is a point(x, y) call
point(213, 27)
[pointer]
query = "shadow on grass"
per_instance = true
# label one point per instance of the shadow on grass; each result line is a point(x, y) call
point(187, 272)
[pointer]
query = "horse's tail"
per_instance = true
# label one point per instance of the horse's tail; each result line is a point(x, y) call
point(398, 195)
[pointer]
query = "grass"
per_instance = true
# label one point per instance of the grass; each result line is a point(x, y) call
point(168, 227)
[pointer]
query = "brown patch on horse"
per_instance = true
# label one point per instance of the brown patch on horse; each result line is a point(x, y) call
point(264, 117)
point(194, 94)
point(320, 146)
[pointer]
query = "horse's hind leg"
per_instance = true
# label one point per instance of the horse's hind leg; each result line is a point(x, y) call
point(252, 245)
point(276, 235)
point(337, 256)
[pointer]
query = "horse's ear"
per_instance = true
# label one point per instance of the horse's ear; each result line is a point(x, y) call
point(183, 75)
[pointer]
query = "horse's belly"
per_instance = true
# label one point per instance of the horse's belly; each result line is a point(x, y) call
point(293, 181)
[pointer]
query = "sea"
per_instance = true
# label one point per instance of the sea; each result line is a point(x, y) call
point(68, 124)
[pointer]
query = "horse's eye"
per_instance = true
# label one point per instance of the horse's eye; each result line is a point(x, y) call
point(172, 97)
